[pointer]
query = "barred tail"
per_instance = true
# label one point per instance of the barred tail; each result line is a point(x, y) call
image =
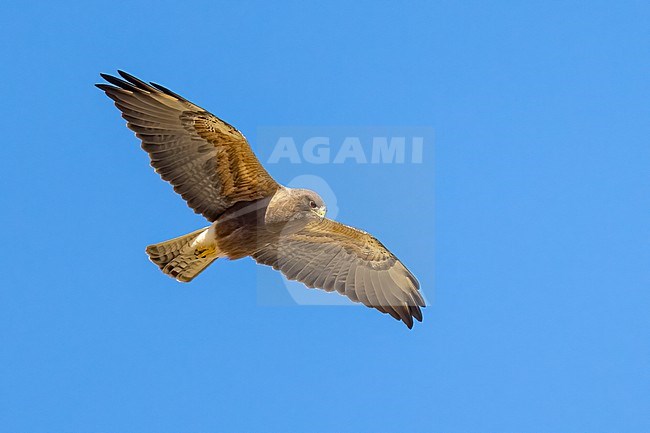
point(183, 258)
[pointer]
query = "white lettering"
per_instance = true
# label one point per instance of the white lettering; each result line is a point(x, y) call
point(385, 152)
point(350, 148)
point(322, 154)
point(285, 148)
point(416, 154)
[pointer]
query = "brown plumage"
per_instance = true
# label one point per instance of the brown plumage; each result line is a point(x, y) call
point(211, 165)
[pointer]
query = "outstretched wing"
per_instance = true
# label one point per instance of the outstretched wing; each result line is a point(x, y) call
point(208, 162)
point(332, 256)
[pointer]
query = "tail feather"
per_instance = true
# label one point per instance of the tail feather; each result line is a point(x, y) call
point(181, 258)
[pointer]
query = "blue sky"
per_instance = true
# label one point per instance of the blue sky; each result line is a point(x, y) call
point(526, 222)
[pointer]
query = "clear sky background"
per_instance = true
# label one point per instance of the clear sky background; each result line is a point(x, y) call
point(534, 251)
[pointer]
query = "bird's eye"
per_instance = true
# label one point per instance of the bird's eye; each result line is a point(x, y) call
point(312, 204)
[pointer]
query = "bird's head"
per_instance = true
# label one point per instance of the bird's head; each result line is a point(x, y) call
point(309, 203)
point(293, 204)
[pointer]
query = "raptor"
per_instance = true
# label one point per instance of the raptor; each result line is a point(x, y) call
point(212, 166)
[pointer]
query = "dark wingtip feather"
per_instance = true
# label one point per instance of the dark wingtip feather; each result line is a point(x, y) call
point(132, 83)
point(405, 315)
point(167, 91)
point(416, 312)
point(117, 82)
point(105, 76)
point(135, 81)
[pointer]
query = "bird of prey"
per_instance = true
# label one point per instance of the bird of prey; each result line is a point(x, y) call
point(212, 166)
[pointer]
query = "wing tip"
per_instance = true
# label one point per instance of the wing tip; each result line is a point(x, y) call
point(132, 83)
point(136, 81)
point(127, 82)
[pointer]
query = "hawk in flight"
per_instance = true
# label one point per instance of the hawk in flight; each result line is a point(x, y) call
point(211, 165)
